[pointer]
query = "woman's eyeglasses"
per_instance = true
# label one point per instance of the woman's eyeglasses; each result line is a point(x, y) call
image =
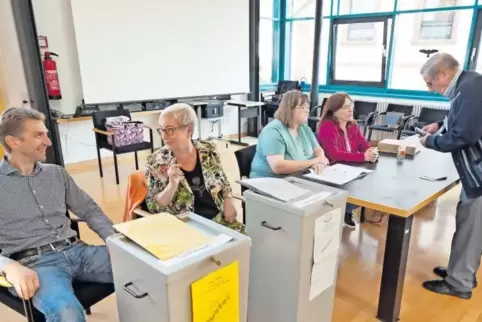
point(302, 107)
point(169, 130)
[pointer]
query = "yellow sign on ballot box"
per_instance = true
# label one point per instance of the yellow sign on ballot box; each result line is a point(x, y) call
point(215, 297)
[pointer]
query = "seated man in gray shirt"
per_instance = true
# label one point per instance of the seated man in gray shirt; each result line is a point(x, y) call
point(40, 255)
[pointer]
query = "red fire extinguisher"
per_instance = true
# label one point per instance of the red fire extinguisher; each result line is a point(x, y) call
point(51, 76)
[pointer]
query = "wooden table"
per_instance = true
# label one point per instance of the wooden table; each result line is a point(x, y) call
point(395, 187)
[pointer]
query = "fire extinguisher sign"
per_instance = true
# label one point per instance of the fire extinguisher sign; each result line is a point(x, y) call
point(42, 42)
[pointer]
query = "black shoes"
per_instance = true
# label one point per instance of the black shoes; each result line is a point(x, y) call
point(442, 272)
point(349, 222)
point(444, 288)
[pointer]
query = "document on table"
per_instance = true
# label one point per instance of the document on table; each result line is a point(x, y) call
point(164, 235)
point(215, 297)
point(325, 251)
point(274, 187)
point(338, 174)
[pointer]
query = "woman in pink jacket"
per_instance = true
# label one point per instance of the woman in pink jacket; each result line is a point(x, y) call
point(341, 138)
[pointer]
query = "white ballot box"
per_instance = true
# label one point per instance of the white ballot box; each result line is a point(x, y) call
point(294, 253)
point(207, 283)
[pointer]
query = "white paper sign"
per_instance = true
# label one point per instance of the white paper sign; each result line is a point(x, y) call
point(325, 251)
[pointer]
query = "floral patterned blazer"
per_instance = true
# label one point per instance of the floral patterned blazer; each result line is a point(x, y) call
point(215, 180)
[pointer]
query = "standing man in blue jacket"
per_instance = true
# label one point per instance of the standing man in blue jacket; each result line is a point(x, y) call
point(461, 136)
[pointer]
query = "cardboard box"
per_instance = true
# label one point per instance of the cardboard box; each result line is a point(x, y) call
point(412, 144)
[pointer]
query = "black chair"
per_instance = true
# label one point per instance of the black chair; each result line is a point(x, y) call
point(427, 116)
point(364, 114)
point(101, 134)
point(315, 115)
point(245, 157)
point(88, 294)
point(397, 128)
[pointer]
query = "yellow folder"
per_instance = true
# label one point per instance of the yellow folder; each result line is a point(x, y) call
point(215, 297)
point(163, 235)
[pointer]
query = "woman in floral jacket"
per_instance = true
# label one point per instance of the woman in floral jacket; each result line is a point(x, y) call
point(187, 176)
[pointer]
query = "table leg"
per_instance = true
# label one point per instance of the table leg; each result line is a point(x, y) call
point(394, 265)
point(239, 142)
point(239, 124)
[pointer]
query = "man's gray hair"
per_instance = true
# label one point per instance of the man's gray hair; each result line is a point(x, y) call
point(12, 119)
point(437, 62)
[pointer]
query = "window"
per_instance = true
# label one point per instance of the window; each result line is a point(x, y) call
point(301, 55)
point(431, 4)
point(475, 62)
point(266, 8)
point(266, 44)
point(437, 25)
point(406, 56)
point(301, 50)
point(363, 63)
point(361, 32)
point(363, 6)
point(364, 31)
point(306, 8)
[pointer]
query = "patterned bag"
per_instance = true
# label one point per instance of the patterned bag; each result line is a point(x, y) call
point(126, 132)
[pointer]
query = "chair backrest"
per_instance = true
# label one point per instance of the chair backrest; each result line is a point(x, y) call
point(245, 157)
point(399, 108)
point(362, 109)
point(287, 85)
point(318, 110)
point(99, 119)
point(431, 115)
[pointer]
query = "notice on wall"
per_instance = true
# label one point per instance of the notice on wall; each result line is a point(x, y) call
point(215, 297)
point(325, 251)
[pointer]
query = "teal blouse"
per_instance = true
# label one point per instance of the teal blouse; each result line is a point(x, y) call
point(276, 139)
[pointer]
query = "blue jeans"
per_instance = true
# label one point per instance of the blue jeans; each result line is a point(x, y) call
point(57, 269)
point(350, 207)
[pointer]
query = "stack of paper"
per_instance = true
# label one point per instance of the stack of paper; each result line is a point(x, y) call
point(164, 235)
point(338, 174)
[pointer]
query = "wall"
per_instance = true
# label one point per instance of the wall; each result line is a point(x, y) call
point(54, 20)
point(77, 138)
point(12, 83)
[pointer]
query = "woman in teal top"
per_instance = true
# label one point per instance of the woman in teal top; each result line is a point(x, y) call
point(287, 144)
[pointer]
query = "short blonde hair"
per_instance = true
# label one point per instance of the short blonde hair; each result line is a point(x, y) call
point(290, 100)
point(183, 113)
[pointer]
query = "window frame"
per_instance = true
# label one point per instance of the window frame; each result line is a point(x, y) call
point(474, 49)
point(335, 22)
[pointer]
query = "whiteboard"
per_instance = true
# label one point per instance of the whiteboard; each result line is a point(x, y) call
point(136, 50)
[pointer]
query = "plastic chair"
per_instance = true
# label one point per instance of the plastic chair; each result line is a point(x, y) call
point(244, 157)
point(101, 134)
